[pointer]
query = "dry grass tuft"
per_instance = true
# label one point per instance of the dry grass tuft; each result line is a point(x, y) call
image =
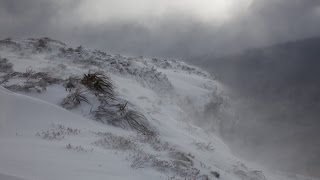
point(75, 98)
point(99, 83)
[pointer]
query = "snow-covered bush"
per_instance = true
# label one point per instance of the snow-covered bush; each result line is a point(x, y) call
point(8, 44)
point(155, 142)
point(216, 103)
point(37, 81)
point(41, 45)
point(44, 77)
point(5, 65)
point(28, 86)
point(111, 141)
point(175, 165)
point(71, 83)
point(204, 146)
point(243, 172)
point(28, 73)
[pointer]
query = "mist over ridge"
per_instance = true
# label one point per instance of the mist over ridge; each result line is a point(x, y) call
point(277, 90)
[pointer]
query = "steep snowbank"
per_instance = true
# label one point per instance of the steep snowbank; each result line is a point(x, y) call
point(24, 154)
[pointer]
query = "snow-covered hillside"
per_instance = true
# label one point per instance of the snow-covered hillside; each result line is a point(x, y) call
point(59, 121)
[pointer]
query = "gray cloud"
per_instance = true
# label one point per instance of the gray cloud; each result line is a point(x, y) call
point(173, 33)
point(288, 19)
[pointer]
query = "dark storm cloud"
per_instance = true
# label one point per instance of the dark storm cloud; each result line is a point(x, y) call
point(174, 34)
point(32, 17)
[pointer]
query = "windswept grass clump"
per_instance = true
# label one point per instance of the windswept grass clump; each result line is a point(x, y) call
point(111, 110)
point(75, 98)
point(137, 121)
point(120, 116)
point(100, 84)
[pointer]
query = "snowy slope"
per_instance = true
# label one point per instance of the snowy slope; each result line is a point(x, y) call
point(41, 140)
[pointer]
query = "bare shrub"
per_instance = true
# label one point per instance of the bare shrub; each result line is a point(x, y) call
point(178, 164)
point(75, 98)
point(36, 81)
point(58, 132)
point(26, 87)
point(78, 148)
point(47, 78)
point(142, 159)
point(10, 75)
point(245, 173)
point(6, 78)
point(111, 141)
point(155, 142)
point(41, 79)
point(99, 83)
point(204, 146)
point(181, 158)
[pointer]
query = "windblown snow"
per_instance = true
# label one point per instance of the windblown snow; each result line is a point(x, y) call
point(55, 125)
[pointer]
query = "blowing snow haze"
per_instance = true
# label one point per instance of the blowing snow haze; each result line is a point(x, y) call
point(235, 39)
point(277, 93)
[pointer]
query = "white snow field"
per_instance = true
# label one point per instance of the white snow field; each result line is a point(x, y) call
point(40, 138)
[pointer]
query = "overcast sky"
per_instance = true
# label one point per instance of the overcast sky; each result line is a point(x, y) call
point(162, 28)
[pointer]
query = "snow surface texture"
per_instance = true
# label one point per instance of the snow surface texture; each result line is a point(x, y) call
point(39, 139)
